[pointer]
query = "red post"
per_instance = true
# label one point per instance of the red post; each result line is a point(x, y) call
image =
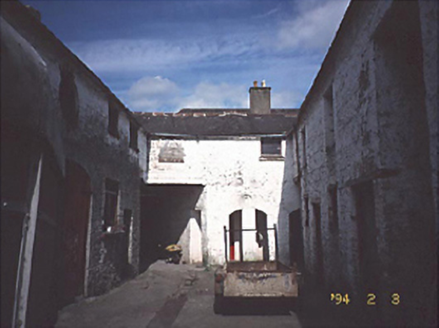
point(232, 252)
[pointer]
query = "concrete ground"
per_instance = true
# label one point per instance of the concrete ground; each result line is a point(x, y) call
point(166, 295)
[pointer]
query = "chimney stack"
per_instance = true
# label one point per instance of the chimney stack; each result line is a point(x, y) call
point(260, 98)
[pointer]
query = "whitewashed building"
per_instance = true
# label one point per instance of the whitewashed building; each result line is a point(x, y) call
point(210, 168)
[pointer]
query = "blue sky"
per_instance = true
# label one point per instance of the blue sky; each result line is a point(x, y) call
point(167, 55)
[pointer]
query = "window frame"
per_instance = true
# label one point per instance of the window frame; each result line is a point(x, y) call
point(134, 136)
point(113, 119)
point(273, 143)
point(111, 202)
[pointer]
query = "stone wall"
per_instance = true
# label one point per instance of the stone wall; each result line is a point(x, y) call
point(33, 64)
point(367, 130)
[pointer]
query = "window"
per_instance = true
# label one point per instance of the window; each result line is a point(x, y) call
point(111, 198)
point(68, 98)
point(133, 135)
point(271, 146)
point(329, 120)
point(113, 119)
point(303, 133)
point(306, 200)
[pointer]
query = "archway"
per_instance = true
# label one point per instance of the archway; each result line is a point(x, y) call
point(235, 236)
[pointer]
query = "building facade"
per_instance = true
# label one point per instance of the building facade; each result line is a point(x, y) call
point(230, 164)
point(72, 160)
point(366, 146)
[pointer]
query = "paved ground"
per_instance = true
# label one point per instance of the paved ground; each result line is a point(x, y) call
point(166, 295)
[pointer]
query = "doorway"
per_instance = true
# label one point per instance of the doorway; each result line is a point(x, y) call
point(235, 224)
point(296, 239)
point(78, 196)
point(262, 235)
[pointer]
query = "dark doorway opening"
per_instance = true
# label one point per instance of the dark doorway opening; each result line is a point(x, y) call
point(235, 237)
point(367, 246)
point(77, 211)
point(166, 211)
point(15, 175)
point(262, 235)
point(45, 291)
point(318, 242)
point(296, 239)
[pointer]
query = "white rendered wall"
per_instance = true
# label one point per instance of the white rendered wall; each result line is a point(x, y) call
point(234, 178)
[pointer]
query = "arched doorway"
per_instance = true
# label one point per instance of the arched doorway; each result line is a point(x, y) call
point(235, 236)
point(262, 234)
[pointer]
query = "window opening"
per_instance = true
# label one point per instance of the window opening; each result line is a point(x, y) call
point(271, 146)
point(113, 119)
point(68, 99)
point(133, 136)
point(111, 198)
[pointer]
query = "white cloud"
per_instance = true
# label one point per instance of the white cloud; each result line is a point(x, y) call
point(209, 95)
point(129, 55)
point(314, 27)
point(152, 93)
point(161, 94)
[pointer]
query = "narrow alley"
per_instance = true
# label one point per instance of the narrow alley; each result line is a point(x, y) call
point(166, 295)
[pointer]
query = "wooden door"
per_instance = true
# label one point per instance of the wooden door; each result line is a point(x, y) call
point(77, 209)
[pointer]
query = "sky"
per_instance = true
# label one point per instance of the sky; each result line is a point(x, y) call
point(161, 56)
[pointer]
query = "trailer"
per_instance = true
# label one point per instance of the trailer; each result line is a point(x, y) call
point(255, 280)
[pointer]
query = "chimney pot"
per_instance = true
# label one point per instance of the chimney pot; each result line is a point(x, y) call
point(255, 83)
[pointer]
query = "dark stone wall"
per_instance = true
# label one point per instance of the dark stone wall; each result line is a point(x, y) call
point(385, 141)
point(32, 67)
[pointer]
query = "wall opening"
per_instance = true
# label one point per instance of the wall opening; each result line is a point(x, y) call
point(333, 219)
point(168, 216)
point(271, 146)
point(77, 213)
point(262, 233)
point(303, 134)
point(68, 98)
point(113, 119)
point(296, 240)
point(329, 118)
point(134, 129)
point(111, 201)
point(368, 262)
point(235, 237)
point(318, 243)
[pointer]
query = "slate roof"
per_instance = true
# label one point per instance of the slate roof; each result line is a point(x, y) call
point(218, 122)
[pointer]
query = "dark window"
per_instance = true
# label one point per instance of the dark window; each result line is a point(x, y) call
point(303, 133)
point(329, 120)
point(306, 200)
point(133, 135)
point(113, 119)
point(111, 197)
point(68, 99)
point(271, 146)
point(127, 217)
